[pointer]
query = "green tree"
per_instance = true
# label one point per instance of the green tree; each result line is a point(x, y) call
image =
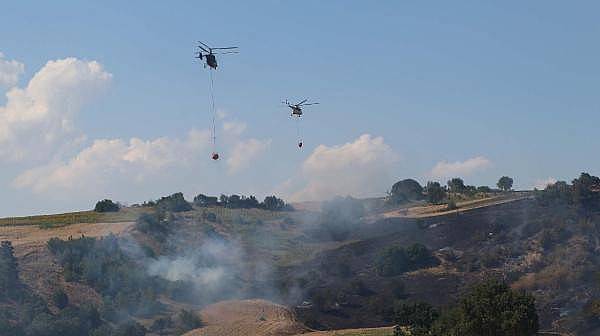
point(406, 190)
point(491, 309)
point(505, 183)
point(273, 203)
point(106, 205)
point(586, 191)
point(456, 185)
point(418, 317)
point(435, 193)
point(9, 274)
point(174, 203)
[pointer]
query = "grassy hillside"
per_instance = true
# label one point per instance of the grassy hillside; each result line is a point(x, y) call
point(325, 265)
point(54, 220)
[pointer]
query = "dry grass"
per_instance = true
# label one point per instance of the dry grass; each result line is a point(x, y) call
point(247, 318)
point(58, 220)
point(441, 209)
point(383, 331)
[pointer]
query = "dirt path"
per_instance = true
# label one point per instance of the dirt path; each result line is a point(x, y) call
point(440, 210)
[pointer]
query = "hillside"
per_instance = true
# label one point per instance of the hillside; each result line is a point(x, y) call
point(251, 271)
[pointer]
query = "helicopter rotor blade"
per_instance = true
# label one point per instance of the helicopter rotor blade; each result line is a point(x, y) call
point(226, 52)
point(225, 48)
point(203, 49)
point(302, 102)
point(205, 45)
point(310, 104)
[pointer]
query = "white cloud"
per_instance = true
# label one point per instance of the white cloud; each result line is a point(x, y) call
point(38, 119)
point(113, 162)
point(543, 183)
point(10, 71)
point(444, 169)
point(244, 152)
point(361, 168)
point(234, 127)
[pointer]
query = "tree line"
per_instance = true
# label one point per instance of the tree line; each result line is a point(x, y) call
point(435, 193)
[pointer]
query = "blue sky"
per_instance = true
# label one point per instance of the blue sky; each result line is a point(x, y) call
point(510, 86)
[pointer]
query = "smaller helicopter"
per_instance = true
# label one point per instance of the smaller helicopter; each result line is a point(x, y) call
point(297, 108)
point(297, 112)
point(209, 55)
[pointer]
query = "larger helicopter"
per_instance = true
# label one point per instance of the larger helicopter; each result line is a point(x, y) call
point(297, 108)
point(209, 54)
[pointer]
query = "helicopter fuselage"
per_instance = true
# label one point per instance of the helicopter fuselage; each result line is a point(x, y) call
point(211, 61)
point(296, 111)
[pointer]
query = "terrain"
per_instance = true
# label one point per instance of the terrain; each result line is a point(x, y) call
point(317, 270)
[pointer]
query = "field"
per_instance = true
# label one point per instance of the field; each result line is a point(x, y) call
point(383, 331)
point(57, 220)
point(247, 317)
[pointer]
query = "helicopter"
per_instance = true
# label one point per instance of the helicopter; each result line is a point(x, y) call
point(297, 112)
point(209, 55)
point(297, 108)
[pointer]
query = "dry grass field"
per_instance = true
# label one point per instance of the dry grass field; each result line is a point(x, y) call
point(383, 331)
point(247, 318)
point(56, 220)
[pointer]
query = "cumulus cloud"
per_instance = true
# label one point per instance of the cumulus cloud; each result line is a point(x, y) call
point(10, 71)
point(234, 127)
point(110, 161)
point(543, 183)
point(445, 169)
point(360, 168)
point(244, 152)
point(39, 118)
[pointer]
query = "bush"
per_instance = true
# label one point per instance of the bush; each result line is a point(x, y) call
point(173, 203)
point(456, 185)
point(396, 260)
point(60, 299)
point(490, 308)
point(417, 316)
point(275, 204)
point(435, 192)
point(10, 286)
point(106, 206)
point(204, 201)
point(186, 321)
point(484, 189)
point(153, 224)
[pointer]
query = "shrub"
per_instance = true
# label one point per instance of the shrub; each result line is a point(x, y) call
point(490, 308)
point(396, 260)
point(451, 205)
point(106, 206)
point(173, 203)
point(417, 316)
point(186, 320)
point(456, 185)
point(203, 200)
point(60, 299)
point(275, 204)
point(435, 192)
